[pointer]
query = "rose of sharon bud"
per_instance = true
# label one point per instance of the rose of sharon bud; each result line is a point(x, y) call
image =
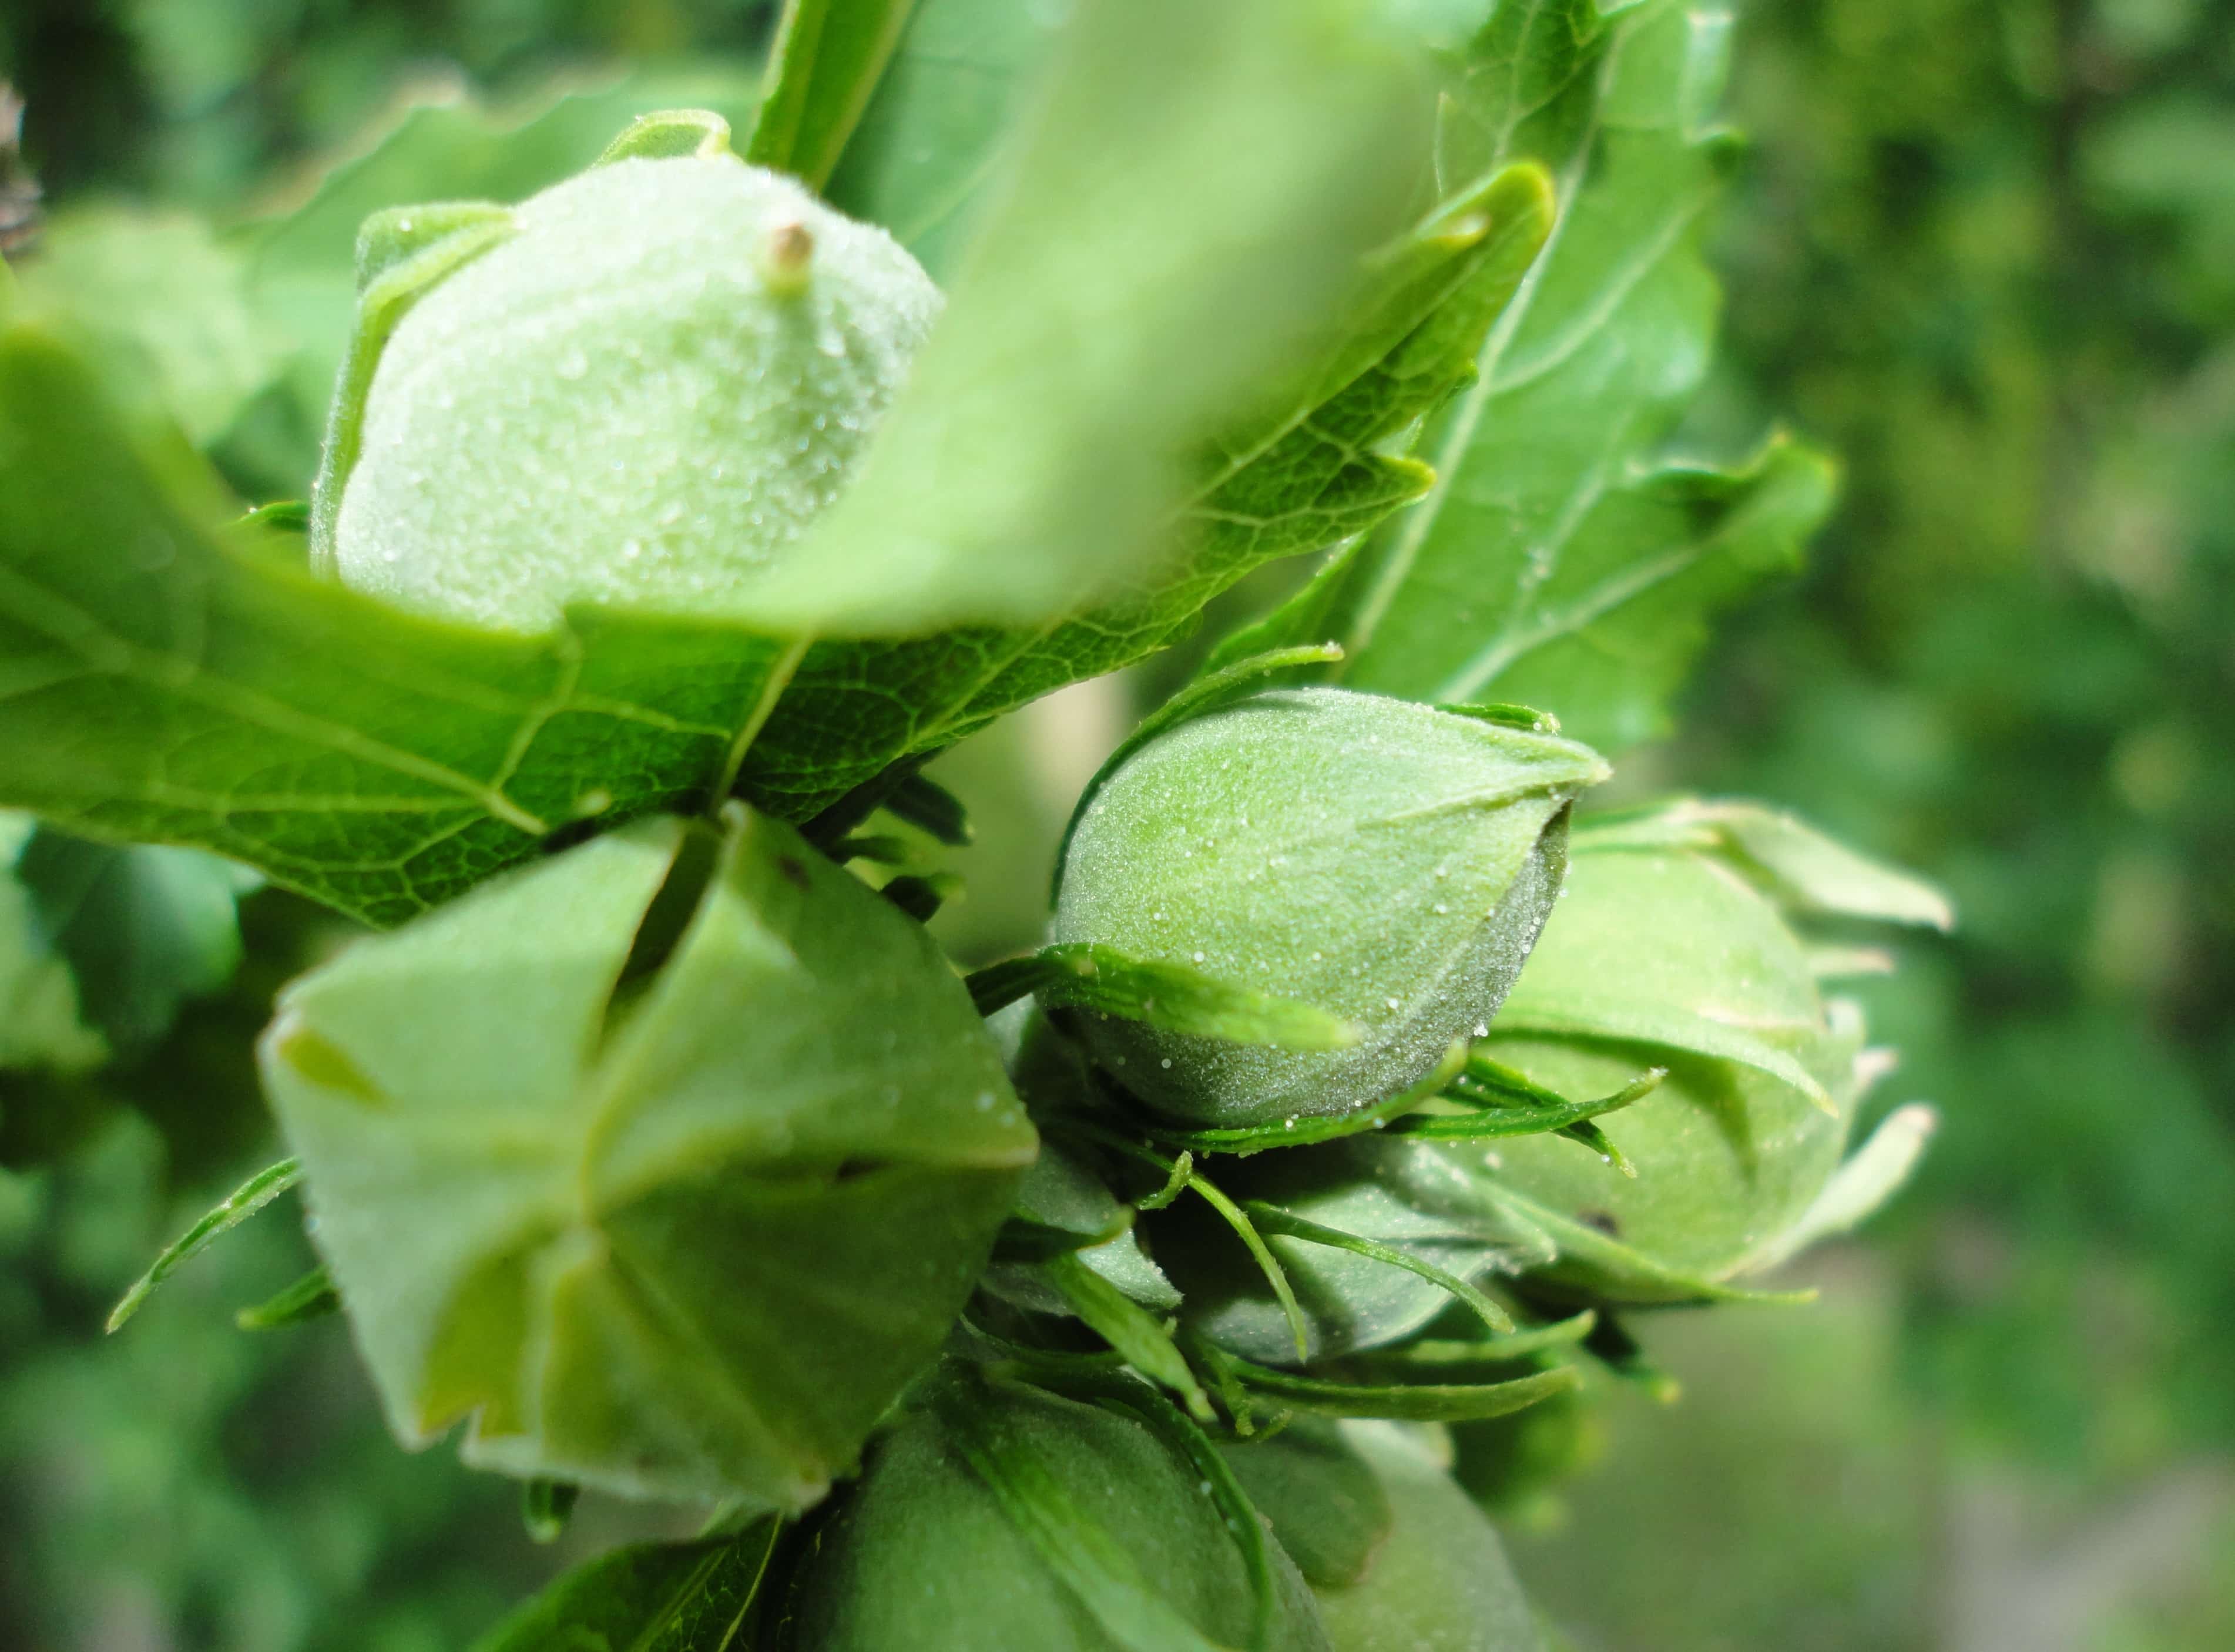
point(996, 1516)
point(1385, 861)
point(633, 389)
point(667, 1163)
point(1675, 946)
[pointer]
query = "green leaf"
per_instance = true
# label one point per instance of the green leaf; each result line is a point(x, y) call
point(164, 286)
point(928, 150)
point(42, 1023)
point(827, 57)
point(160, 683)
point(143, 929)
point(1191, 199)
point(648, 1598)
point(854, 707)
point(1567, 558)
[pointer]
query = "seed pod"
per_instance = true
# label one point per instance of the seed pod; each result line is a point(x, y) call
point(1382, 861)
point(1672, 947)
point(633, 389)
point(667, 1163)
point(997, 1516)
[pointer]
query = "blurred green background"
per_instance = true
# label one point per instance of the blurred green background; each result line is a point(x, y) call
point(1984, 249)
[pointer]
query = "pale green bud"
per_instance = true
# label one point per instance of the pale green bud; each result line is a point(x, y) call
point(1385, 862)
point(635, 388)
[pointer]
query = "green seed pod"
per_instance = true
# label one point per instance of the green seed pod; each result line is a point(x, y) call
point(1672, 947)
point(633, 389)
point(997, 1516)
point(1382, 861)
point(667, 1163)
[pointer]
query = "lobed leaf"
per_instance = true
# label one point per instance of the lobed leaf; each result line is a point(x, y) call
point(1567, 557)
point(1317, 473)
point(162, 683)
point(1191, 197)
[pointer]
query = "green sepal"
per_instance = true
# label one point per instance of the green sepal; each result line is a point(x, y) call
point(1126, 1327)
point(1441, 1578)
point(545, 1508)
point(828, 58)
point(545, 1127)
point(1102, 981)
point(400, 258)
point(310, 1297)
point(670, 134)
point(1405, 1402)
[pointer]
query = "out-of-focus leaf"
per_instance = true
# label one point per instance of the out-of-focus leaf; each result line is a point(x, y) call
point(929, 145)
point(648, 1598)
point(42, 1027)
point(1190, 201)
point(829, 55)
point(163, 284)
point(854, 707)
point(143, 928)
point(1566, 559)
point(158, 682)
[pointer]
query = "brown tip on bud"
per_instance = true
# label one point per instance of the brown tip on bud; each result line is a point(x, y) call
point(785, 264)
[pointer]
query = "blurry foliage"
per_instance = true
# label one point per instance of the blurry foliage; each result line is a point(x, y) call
point(1984, 253)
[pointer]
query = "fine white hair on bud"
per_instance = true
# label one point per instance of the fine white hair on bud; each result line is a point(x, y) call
point(634, 389)
point(1387, 862)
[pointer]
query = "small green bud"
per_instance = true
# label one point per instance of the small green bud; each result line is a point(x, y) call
point(1440, 1579)
point(666, 1163)
point(997, 1516)
point(1674, 950)
point(634, 389)
point(1383, 862)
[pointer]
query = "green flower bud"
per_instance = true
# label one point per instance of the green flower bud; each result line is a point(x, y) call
point(634, 389)
point(666, 1163)
point(997, 1515)
point(1382, 861)
point(1672, 947)
point(1439, 1580)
